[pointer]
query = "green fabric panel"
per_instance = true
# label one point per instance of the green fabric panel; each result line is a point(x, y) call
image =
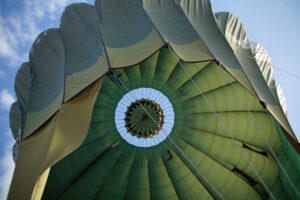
point(239, 124)
point(224, 95)
point(35, 120)
point(161, 186)
point(115, 184)
point(233, 30)
point(148, 70)
point(161, 172)
point(288, 149)
point(264, 63)
point(162, 73)
point(224, 180)
point(86, 185)
point(47, 65)
point(278, 93)
point(115, 16)
point(47, 59)
point(134, 73)
point(15, 119)
point(292, 173)
point(138, 185)
point(263, 60)
point(22, 85)
point(236, 35)
point(224, 151)
point(185, 183)
point(87, 153)
point(85, 58)
point(278, 190)
point(167, 17)
point(210, 78)
point(83, 45)
point(290, 160)
point(128, 34)
point(201, 16)
point(178, 78)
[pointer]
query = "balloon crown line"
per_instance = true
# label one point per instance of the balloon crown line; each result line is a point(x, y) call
point(140, 124)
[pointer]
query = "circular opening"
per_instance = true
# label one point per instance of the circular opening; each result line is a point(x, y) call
point(144, 117)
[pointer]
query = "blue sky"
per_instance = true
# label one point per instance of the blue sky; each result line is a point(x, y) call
point(272, 23)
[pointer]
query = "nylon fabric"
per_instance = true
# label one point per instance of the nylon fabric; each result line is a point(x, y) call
point(22, 85)
point(15, 119)
point(47, 57)
point(81, 56)
point(291, 162)
point(263, 60)
point(40, 185)
point(70, 147)
point(281, 97)
point(56, 139)
point(103, 165)
point(128, 34)
point(85, 57)
point(236, 34)
point(202, 18)
point(237, 37)
point(18, 111)
point(167, 17)
point(47, 60)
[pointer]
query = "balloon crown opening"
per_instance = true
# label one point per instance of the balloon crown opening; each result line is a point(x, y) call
point(144, 118)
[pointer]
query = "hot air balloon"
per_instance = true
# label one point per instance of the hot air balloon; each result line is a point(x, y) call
point(152, 99)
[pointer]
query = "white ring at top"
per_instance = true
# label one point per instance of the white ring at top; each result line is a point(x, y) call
point(151, 94)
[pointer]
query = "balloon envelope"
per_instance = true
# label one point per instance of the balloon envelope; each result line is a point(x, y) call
point(150, 100)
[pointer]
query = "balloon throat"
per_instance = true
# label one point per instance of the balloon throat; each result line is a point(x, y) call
point(144, 118)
